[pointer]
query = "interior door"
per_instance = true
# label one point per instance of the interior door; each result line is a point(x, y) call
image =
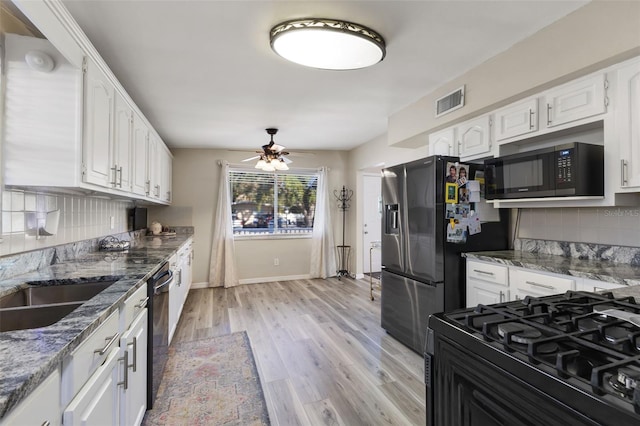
point(371, 223)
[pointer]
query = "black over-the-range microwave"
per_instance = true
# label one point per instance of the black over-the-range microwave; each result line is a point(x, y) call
point(569, 170)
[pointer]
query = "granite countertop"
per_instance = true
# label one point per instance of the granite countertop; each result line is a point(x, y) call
point(601, 270)
point(27, 357)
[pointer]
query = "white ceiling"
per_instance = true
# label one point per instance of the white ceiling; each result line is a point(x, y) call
point(204, 75)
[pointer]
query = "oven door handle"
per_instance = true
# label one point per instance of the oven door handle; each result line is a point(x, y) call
point(159, 288)
point(633, 318)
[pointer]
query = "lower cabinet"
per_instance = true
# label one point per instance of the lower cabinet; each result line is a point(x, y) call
point(525, 283)
point(489, 283)
point(133, 393)
point(41, 407)
point(97, 402)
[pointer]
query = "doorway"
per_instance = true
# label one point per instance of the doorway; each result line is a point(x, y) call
point(371, 224)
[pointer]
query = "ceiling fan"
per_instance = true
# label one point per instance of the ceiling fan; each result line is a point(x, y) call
point(272, 157)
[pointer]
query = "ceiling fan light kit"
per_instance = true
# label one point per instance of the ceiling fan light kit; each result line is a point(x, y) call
point(327, 44)
point(272, 156)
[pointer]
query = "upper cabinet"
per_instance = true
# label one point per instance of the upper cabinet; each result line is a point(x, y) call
point(518, 119)
point(98, 127)
point(474, 138)
point(443, 142)
point(74, 126)
point(628, 124)
point(575, 101)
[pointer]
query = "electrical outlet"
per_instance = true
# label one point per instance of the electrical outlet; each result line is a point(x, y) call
point(276, 261)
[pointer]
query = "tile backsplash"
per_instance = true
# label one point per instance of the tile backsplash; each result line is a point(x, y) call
point(605, 225)
point(81, 217)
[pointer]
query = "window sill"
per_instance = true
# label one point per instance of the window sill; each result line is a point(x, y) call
point(291, 236)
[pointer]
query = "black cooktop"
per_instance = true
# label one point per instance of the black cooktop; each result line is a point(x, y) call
point(589, 338)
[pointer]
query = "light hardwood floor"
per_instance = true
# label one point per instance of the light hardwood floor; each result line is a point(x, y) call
point(322, 356)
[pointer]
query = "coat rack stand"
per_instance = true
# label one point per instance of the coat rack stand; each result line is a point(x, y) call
point(344, 251)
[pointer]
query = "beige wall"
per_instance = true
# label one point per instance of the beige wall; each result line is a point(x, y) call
point(598, 34)
point(196, 179)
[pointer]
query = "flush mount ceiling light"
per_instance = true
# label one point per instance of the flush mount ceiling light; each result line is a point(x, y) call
point(327, 44)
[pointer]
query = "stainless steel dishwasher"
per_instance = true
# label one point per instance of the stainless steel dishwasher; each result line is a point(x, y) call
point(158, 330)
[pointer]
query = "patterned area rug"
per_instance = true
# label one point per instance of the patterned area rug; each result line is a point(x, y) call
point(210, 382)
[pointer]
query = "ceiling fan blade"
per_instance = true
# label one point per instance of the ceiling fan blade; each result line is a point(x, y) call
point(286, 160)
point(251, 159)
point(277, 148)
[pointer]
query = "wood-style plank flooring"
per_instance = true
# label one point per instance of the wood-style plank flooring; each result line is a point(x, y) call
point(322, 356)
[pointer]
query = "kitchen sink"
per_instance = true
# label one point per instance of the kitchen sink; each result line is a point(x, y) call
point(24, 317)
point(45, 295)
point(40, 306)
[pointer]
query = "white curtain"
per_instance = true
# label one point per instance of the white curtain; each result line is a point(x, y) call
point(223, 260)
point(323, 257)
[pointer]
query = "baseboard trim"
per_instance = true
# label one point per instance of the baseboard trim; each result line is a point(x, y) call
point(203, 284)
point(272, 279)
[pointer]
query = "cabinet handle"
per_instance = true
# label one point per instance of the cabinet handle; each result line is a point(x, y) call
point(106, 347)
point(623, 173)
point(501, 295)
point(548, 114)
point(125, 372)
point(120, 180)
point(46, 423)
point(531, 118)
point(535, 284)
point(147, 187)
point(114, 182)
point(143, 303)
point(157, 190)
point(135, 353)
point(483, 272)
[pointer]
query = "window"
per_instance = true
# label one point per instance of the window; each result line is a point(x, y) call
point(272, 203)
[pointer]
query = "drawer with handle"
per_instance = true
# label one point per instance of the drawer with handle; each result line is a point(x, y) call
point(134, 305)
point(91, 354)
point(496, 274)
point(535, 284)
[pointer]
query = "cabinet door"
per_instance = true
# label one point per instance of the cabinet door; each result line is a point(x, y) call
point(165, 173)
point(122, 144)
point(153, 166)
point(516, 119)
point(133, 395)
point(587, 284)
point(98, 129)
point(175, 304)
point(575, 101)
point(442, 142)
point(474, 136)
point(480, 292)
point(41, 407)
point(139, 157)
point(628, 116)
point(97, 401)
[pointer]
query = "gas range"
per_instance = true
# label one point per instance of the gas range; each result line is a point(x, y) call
point(580, 349)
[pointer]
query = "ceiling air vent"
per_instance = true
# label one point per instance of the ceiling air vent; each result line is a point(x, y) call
point(450, 102)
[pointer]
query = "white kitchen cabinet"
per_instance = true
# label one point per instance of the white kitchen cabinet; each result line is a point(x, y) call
point(575, 101)
point(443, 142)
point(41, 407)
point(97, 402)
point(586, 284)
point(524, 283)
point(123, 144)
point(165, 173)
point(133, 392)
point(153, 166)
point(487, 283)
point(517, 119)
point(628, 123)
point(474, 138)
point(139, 153)
point(98, 126)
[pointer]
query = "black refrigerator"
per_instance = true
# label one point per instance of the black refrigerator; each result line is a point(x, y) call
point(423, 273)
